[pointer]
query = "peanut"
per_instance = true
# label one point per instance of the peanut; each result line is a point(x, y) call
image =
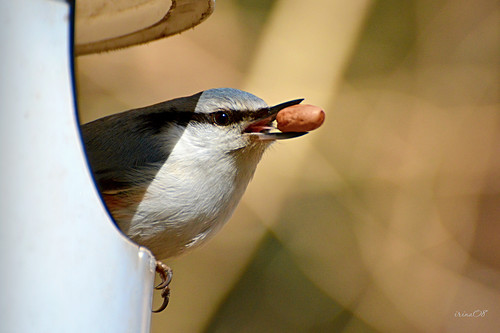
point(300, 118)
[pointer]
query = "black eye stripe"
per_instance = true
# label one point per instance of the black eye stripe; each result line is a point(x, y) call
point(160, 119)
point(232, 116)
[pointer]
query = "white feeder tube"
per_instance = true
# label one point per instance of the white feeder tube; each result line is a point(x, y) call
point(64, 265)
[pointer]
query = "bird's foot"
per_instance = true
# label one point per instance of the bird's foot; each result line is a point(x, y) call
point(165, 273)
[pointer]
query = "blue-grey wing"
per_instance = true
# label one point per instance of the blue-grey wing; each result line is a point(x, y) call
point(127, 148)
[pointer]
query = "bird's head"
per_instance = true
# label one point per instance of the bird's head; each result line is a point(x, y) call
point(229, 120)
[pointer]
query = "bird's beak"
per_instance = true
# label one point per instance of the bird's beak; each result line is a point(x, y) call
point(261, 127)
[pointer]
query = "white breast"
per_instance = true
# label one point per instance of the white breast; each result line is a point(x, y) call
point(191, 197)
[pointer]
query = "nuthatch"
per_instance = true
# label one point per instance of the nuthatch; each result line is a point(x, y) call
point(172, 173)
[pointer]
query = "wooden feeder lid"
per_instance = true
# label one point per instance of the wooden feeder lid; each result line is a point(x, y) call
point(103, 25)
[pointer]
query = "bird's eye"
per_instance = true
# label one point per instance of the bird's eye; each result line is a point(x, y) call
point(221, 118)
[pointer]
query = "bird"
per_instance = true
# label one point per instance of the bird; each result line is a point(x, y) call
point(171, 174)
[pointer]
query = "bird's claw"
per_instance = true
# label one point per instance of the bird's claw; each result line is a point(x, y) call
point(165, 273)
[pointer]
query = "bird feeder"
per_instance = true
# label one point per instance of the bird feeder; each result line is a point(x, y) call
point(65, 266)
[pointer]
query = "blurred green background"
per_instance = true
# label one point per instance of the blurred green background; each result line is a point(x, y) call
point(387, 218)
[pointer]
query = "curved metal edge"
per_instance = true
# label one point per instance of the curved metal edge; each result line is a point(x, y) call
point(182, 15)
